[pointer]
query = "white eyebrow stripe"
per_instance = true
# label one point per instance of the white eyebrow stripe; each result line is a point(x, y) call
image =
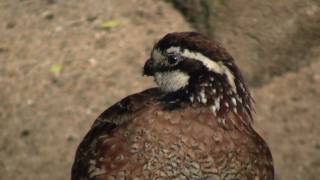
point(210, 64)
point(156, 55)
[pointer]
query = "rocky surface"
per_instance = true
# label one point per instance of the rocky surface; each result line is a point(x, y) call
point(288, 118)
point(268, 38)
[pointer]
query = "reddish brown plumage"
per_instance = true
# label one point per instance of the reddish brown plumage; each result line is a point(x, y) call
point(178, 135)
point(188, 143)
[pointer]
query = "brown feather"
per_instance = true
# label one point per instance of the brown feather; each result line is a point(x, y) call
point(139, 138)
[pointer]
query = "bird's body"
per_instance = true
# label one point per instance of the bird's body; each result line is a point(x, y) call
point(197, 125)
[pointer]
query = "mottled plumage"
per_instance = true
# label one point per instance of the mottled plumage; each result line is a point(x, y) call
point(196, 125)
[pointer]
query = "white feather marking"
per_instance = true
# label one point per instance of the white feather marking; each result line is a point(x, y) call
point(214, 110)
point(97, 172)
point(214, 91)
point(223, 121)
point(241, 86)
point(235, 110)
point(216, 67)
point(93, 170)
point(234, 101)
point(203, 96)
point(217, 104)
point(191, 98)
point(198, 98)
point(172, 80)
point(157, 56)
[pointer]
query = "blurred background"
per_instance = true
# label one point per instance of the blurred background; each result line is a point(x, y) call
point(63, 62)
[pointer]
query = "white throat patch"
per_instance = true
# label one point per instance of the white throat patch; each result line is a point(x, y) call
point(172, 80)
point(210, 64)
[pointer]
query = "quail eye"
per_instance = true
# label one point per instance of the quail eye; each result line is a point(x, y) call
point(173, 59)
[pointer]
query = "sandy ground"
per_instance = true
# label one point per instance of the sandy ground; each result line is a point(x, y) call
point(59, 69)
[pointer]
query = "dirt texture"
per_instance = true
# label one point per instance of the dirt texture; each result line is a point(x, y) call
point(60, 67)
point(45, 114)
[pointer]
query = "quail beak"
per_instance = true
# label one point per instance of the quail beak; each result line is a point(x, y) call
point(149, 69)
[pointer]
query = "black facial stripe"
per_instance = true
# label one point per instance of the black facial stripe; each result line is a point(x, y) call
point(191, 66)
point(167, 68)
